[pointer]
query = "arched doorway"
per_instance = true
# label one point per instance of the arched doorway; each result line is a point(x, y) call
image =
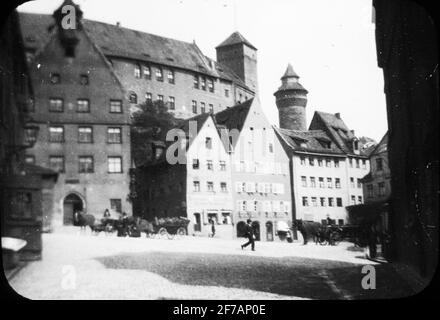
point(241, 229)
point(269, 231)
point(256, 227)
point(71, 204)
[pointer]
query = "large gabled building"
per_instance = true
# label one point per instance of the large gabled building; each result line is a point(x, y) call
point(83, 115)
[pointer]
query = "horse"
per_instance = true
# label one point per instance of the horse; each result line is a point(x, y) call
point(142, 225)
point(83, 220)
point(310, 230)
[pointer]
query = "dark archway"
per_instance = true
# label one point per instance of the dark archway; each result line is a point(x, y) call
point(71, 204)
point(256, 227)
point(269, 231)
point(241, 229)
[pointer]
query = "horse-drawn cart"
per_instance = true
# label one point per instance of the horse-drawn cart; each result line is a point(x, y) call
point(170, 227)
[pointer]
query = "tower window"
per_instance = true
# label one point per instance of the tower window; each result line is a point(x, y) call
point(226, 93)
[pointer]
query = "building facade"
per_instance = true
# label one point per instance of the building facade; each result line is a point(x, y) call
point(377, 183)
point(195, 184)
point(259, 171)
point(83, 118)
point(327, 161)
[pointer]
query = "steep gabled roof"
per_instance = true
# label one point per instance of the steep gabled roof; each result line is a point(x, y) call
point(234, 117)
point(117, 41)
point(235, 38)
point(382, 146)
point(336, 129)
point(313, 141)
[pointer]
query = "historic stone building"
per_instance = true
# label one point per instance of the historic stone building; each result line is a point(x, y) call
point(83, 117)
point(327, 161)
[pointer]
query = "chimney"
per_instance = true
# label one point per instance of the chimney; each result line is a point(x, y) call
point(352, 132)
point(338, 115)
point(118, 24)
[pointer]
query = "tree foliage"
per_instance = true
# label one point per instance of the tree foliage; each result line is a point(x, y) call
point(150, 122)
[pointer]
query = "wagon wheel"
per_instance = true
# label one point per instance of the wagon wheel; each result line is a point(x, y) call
point(162, 233)
point(181, 232)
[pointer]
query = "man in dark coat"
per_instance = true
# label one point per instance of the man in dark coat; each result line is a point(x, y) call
point(250, 235)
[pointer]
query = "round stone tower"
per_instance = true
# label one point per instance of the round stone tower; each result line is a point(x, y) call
point(291, 100)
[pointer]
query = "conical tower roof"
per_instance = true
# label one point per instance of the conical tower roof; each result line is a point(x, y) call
point(290, 73)
point(235, 38)
point(289, 81)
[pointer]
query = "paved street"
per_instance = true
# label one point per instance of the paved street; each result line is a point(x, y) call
point(82, 266)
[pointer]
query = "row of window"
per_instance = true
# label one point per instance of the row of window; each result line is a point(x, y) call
point(321, 182)
point(259, 187)
point(353, 200)
point(209, 165)
point(145, 72)
point(263, 206)
point(201, 82)
point(209, 186)
point(55, 78)
point(357, 161)
point(331, 162)
point(82, 105)
point(202, 107)
point(323, 202)
point(85, 134)
point(85, 163)
point(380, 187)
point(262, 167)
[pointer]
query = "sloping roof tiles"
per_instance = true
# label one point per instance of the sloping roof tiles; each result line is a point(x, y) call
point(117, 41)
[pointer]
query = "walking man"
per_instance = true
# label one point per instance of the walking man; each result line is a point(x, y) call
point(250, 235)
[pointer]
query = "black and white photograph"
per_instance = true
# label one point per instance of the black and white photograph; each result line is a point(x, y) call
point(233, 150)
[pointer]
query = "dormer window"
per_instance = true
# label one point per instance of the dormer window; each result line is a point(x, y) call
point(356, 145)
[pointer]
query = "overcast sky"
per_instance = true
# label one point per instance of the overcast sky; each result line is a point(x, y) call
point(330, 44)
